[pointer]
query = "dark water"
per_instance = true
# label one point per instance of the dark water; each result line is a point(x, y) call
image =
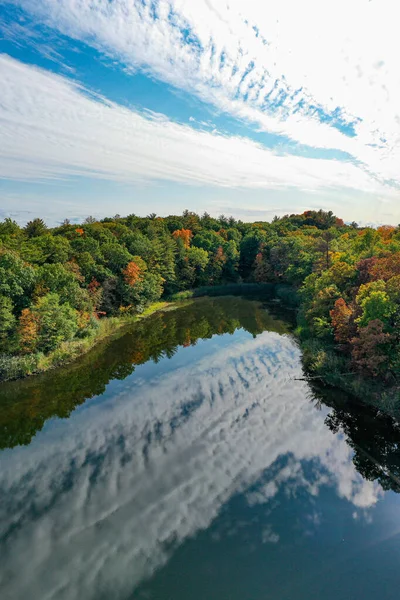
point(186, 460)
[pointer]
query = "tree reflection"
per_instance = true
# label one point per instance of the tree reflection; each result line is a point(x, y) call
point(27, 404)
point(374, 437)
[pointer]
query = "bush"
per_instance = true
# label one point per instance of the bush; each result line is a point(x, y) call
point(15, 367)
point(321, 359)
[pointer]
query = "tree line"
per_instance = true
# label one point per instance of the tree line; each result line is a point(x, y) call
point(56, 285)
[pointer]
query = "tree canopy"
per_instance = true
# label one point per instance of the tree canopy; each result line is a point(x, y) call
point(55, 283)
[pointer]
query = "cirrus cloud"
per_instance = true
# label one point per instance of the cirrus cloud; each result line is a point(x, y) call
point(53, 128)
point(287, 67)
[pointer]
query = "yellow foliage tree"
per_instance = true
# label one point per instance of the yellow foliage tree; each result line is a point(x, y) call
point(184, 234)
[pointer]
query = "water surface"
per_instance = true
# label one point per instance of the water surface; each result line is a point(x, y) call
point(189, 459)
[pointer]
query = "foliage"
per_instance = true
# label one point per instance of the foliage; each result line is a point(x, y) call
point(17, 278)
point(368, 353)
point(377, 305)
point(7, 321)
point(35, 228)
point(133, 272)
point(28, 331)
point(341, 318)
point(183, 234)
point(55, 322)
point(55, 284)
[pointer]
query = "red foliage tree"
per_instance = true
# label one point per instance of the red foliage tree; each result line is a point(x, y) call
point(369, 353)
point(364, 267)
point(386, 267)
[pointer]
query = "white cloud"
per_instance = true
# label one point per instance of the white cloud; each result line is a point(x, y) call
point(130, 491)
point(332, 57)
point(53, 128)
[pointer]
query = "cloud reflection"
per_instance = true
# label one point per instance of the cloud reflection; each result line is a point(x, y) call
point(96, 503)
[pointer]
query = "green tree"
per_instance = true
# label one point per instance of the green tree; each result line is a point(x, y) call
point(17, 279)
point(56, 322)
point(116, 257)
point(377, 305)
point(9, 227)
point(249, 248)
point(7, 320)
point(35, 228)
point(47, 249)
point(197, 261)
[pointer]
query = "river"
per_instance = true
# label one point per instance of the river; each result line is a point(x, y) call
point(188, 459)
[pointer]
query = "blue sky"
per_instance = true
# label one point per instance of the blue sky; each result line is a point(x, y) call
point(247, 108)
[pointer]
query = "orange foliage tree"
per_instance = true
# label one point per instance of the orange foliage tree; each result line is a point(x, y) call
point(133, 273)
point(28, 330)
point(341, 316)
point(74, 268)
point(184, 234)
point(386, 231)
point(93, 286)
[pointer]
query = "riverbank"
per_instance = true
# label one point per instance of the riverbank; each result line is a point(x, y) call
point(18, 367)
point(322, 362)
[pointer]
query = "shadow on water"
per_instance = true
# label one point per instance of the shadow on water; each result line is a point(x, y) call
point(27, 404)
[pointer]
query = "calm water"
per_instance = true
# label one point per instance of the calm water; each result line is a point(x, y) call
point(186, 459)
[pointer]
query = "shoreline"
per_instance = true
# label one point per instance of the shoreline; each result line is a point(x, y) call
point(320, 360)
point(13, 368)
point(323, 364)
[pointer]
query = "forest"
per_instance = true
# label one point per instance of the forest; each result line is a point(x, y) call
point(63, 288)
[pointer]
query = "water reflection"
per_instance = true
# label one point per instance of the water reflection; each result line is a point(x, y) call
point(98, 503)
point(375, 439)
point(27, 404)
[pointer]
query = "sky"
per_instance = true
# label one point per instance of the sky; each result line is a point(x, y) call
point(242, 107)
